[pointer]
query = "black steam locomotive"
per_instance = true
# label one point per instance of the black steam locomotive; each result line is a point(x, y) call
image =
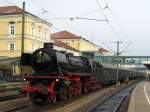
point(58, 73)
point(47, 60)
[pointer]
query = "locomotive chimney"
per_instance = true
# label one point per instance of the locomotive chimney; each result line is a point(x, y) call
point(48, 45)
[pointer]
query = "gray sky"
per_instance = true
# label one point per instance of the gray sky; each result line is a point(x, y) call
point(133, 16)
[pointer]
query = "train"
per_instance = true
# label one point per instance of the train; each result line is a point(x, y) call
point(58, 75)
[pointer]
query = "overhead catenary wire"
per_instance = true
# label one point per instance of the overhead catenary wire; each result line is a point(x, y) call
point(89, 13)
point(88, 19)
point(124, 50)
point(52, 15)
point(13, 4)
point(119, 25)
point(44, 11)
point(82, 15)
point(115, 19)
point(101, 9)
point(109, 24)
point(121, 51)
point(10, 2)
point(54, 25)
point(112, 51)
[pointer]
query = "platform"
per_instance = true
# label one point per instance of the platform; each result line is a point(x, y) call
point(140, 98)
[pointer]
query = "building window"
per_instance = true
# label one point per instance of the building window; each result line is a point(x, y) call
point(33, 31)
point(12, 28)
point(46, 36)
point(11, 46)
point(40, 33)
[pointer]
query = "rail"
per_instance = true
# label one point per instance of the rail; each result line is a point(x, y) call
point(16, 107)
point(113, 102)
point(10, 97)
point(12, 86)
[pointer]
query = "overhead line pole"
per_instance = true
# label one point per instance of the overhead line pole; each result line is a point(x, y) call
point(117, 53)
point(23, 27)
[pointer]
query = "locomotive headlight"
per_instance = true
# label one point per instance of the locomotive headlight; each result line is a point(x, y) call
point(57, 80)
point(24, 79)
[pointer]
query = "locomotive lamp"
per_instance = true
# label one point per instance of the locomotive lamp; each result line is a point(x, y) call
point(24, 79)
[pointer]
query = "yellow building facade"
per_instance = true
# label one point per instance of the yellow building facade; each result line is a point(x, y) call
point(74, 41)
point(37, 31)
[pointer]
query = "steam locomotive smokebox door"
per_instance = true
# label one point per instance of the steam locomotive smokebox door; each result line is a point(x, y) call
point(48, 45)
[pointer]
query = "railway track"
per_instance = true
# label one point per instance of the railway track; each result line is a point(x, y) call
point(22, 106)
point(15, 108)
point(9, 89)
point(113, 102)
point(10, 97)
point(11, 86)
point(14, 104)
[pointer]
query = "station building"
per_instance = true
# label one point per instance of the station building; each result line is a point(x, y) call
point(60, 46)
point(104, 52)
point(37, 31)
point(77, 42)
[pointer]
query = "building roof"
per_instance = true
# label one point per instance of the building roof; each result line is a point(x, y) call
point(64, 35)
point(64, 45)
point(7, 10)
point(68, 35)
point(11, 10)
point(102, 50)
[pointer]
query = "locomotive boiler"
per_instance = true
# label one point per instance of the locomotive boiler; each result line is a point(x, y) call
point(47, 60)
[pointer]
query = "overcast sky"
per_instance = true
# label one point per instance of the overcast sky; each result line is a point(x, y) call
point(132, 15)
